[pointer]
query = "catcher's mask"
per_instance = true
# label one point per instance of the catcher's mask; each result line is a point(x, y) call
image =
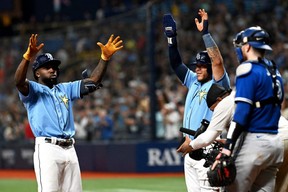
point(42, 60)
point(254, 36)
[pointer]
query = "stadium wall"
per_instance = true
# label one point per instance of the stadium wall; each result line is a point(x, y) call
point(142, 157)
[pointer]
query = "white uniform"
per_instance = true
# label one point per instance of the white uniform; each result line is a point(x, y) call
point(220, 121)
point(222, 116)
point(282, 175)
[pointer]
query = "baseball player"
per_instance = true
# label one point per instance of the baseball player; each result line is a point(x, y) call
point(258, 98)
point(282, 174)
point(198, 84)
point(221, 102)
point(49, 109)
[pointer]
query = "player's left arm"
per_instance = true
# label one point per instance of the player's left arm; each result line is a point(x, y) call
point(93, 82)
point(214, 53)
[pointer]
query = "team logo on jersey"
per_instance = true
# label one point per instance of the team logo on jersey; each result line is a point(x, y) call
point(202, 95)
point(65, 100)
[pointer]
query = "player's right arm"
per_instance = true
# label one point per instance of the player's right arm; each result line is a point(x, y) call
point(213, 51)
point(169, 26)
point(20, 79)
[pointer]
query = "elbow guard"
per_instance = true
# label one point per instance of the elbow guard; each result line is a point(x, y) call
point(89, 87)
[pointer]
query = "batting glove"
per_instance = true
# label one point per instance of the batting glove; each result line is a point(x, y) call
point(111, 47)
point(32, 49)
point(169, 26)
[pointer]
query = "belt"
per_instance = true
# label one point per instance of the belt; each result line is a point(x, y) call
point(60, 142)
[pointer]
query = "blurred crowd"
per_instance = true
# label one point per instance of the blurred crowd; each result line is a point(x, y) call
point(121, 109)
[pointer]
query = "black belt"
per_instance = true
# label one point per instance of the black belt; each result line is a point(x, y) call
point(60, 142)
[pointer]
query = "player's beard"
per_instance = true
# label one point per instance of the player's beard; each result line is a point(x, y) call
point(204, 80)
point(50, 82)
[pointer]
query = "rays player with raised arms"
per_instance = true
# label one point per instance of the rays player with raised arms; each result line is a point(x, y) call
point(209, 68)
point(258, 98)
point(49, 108)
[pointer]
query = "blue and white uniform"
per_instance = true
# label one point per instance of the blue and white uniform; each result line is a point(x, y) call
point(262, 150)
point(51, 119)
point(254, 84)
point(195, 105)
point(195, 111)
point(50, 110)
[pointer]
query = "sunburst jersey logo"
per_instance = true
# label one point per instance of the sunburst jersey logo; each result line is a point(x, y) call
point(202, 95)
point(65, 100)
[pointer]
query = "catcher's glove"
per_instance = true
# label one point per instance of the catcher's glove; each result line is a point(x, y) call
point(224, 173)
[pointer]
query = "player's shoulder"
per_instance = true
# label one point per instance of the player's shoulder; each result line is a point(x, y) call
point(244, 69)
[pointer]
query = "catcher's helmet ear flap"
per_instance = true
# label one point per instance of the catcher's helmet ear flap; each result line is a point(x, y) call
point(255, 36)
point(202, 58)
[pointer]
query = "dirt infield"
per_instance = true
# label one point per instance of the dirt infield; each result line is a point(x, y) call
point(29, 174)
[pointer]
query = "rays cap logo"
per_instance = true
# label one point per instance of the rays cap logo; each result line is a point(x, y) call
point(44, 59)
point(202, 58)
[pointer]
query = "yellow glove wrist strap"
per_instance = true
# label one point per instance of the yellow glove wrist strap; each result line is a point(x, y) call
point(104, 57)
point(26, 56)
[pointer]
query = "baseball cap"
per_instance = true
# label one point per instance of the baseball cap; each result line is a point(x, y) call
point(202, 58)
point(44, 59)
point(214, 92)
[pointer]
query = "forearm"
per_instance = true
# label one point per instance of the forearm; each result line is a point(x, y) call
point(20, 76)
point(215, 56)
point(205, 139)
point(99, 71)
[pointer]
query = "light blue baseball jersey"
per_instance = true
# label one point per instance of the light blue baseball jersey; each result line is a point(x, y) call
point(49, 111)
point(196, 107)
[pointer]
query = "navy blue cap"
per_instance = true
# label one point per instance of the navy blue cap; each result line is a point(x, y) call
point(44, 59)
point(202, 58)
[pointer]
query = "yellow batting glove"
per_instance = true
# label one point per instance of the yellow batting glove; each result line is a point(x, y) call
point(111, 47)
point(32, 49)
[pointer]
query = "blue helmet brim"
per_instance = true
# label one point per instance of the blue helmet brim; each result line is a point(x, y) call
point(260, 46)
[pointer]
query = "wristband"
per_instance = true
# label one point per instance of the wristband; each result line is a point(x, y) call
point(172, 41)
point(26, 57)
point(103, 57)
point(205, 27)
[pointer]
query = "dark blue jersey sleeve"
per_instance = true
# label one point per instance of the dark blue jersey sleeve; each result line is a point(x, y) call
point(176, 63)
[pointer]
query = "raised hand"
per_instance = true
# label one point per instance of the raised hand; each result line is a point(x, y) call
point(111, 47)
point(32, 49)
point(203, 25)
point(169, 25)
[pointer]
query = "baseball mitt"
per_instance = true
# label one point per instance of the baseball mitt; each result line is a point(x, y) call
point(224, 173)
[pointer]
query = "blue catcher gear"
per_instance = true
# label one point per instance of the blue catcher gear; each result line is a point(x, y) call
point(255, 37)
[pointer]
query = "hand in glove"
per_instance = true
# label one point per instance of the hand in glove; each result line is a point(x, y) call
point(169, 26)
point(32, 49)
point(111, 47)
